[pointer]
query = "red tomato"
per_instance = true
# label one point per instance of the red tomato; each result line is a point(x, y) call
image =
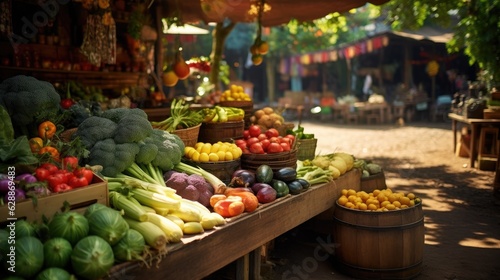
point(275, 140)
point(85, 173)
point(67, 175)
point(256, 148)
point(246, 134)
point(239, 142)
point(55, 180)
point(286, 140)
point(262, 136)
point(265, 143)
point(274, 148)
point(291, 136)
point(61, 187)
point(52, 168)
point(42, 174)
point(252, 140)
point(70, 163)
point(272, 132)
point(78, 182)
point(286, 147)
point(254, 130)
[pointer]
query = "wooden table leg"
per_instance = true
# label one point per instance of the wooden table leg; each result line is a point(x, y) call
point(473, 151)
point(454, 129)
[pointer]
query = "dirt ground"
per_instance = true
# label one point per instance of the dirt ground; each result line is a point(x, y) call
point(462, 217)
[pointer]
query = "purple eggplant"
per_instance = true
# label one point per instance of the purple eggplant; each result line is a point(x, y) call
point(26, 177)
point(242, 178)
point(19, 195)
point(4, 185)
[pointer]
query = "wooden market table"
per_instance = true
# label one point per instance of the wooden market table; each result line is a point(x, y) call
point(240, 240)
point(475, 126)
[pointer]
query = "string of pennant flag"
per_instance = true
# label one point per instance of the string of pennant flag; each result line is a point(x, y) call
point(293, 65)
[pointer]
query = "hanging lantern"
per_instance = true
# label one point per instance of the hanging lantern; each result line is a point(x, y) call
point(432, 68)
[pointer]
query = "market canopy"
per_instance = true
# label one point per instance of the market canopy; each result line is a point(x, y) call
point(276, 12)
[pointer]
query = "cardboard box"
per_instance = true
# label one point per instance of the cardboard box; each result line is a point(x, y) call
point(77, 199)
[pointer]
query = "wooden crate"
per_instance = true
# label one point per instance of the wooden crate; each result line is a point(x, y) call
point(77, 199)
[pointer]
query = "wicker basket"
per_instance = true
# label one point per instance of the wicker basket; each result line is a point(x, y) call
point(275, 161)
point(306, 148)
point(189, 135)
point(224, 131)
point(223, 169)
point(247, 106)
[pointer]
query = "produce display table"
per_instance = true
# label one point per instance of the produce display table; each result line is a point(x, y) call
point(475, 126)
point(240, 239)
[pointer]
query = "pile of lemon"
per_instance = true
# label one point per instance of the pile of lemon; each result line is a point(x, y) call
point(378, 200)
point(235, 93)
point(208, 152)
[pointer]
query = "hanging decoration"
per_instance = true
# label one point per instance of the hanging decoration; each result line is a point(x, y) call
point(99, 40)
point(260, 47)
point(5, 17)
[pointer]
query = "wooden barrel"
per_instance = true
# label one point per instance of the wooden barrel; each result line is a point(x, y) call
point(373, 182)
point(379, 245)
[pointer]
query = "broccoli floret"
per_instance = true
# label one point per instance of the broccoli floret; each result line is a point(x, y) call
point(177, 181)
point(132, 128)
point(114, 158)
point(116, 114)
point(95, 129)
point(82, 110)
point(29, 101)
point(169, 152)
point(147, 153)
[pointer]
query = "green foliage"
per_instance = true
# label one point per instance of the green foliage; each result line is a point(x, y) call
point(476, 32)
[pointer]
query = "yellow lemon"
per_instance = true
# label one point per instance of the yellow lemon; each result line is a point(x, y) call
point(390, 207)
point(213, 157)
point(404, 200)
point(362, 206)
point(351, 192)
point(344, 192)
point(188, 149)
point(236, 154)
point(221, 155)
point(229, 156)
point(372, 207)
point(411, 196)
point(195, 156)
point(215, 148)
point(207, 147)
point(349, 205)
point(396, 203)
point(385, 203)
point(343, 200)
point(204, 157)
point(352, 198)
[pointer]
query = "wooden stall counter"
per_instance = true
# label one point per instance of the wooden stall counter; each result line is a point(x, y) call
point(240, 239)
point(475, 126)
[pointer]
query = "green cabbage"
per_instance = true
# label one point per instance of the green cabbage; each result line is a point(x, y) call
point(130, 247)
point(54, 273)
point(24, 228)
point(106, 223)
point(92, 257)
point(71, 226)
point(29, 256)
point(57, 252)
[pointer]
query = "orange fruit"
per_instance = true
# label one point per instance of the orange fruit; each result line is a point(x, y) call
point(257, 59)
point(263, 47)
point(169, 78)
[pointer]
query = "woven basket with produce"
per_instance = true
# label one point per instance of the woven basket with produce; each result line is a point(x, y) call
point(183, 121)
point(306, 143)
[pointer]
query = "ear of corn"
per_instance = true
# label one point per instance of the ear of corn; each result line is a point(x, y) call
point(132, 210)
point(187, 213)
point(196, 205)
point(155, 200)
point(176, 220)
point(153, 235)
point(193, 228)
point(172, 231)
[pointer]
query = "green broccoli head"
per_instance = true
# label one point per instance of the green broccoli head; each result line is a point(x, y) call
point(28, 102)
point(169, 151)
point(114, 158)
point(132, 128)
point(116, 114)
point(94, 129)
